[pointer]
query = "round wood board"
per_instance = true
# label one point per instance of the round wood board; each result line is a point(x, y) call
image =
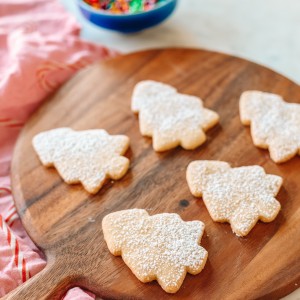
point(65, 221)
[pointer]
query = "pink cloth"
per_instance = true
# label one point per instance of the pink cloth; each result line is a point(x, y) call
point(40, 48)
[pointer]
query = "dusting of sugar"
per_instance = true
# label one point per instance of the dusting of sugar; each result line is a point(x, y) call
point(161, 247)
point(169, 117)
point(88, 156)
point(275, 124)
point(240, 196)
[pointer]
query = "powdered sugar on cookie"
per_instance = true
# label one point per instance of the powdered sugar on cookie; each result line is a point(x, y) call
point(89, 156)
point(240, 196)
point(171, 118)
point(161, 247)
point(275, 124)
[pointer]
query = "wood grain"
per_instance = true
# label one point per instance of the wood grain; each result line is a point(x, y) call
point(65, 221)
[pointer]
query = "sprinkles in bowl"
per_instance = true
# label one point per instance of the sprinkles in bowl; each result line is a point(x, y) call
point(123, 6)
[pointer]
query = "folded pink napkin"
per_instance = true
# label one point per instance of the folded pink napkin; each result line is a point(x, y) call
point(40, 48)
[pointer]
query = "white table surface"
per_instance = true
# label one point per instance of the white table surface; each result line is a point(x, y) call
point(263, 31)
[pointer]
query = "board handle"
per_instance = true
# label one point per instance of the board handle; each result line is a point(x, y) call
point(51, 283)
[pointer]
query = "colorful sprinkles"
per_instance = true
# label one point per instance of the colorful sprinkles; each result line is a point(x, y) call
point(123, 6)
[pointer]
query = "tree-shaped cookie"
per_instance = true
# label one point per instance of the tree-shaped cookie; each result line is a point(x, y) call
point(160, 247)
point(240, 196)
point(275, 124)
point(89, 156)
point(170, 118)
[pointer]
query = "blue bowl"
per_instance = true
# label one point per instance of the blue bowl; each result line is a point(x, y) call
point(127, 23)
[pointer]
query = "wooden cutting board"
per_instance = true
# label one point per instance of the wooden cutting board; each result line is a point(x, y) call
point(65, 221)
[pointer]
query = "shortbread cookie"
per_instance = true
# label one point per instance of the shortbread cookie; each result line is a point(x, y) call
point(160, 247)
point(170, 118)
point(89, 156)
point(240, 196)
point(275, 124)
